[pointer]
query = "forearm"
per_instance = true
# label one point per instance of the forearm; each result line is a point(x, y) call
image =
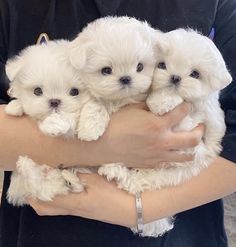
point(105, 202)
point(21, 136)
point(134, 137)
point(211, 184)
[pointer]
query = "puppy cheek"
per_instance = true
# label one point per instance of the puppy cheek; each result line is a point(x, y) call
point(108, 85)
point(71, 104)
point(36, 107)
point(220, 80)
point(192, 89)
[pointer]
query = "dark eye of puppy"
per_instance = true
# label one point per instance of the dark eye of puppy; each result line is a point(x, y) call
point(38, 91)
point(195, 74)
point(74, 91)
point(139, 67)
point(161, 65)
point(106, 70)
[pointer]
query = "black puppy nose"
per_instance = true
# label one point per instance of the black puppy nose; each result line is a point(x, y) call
point(54, 103)
point(125, 80)
point(175, 79)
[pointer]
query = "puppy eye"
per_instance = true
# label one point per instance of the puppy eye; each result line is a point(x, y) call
point(195, 74)
point(106, 70)
point(74, 91)
point(161, 65)
point(38, 91)
point(139, 67)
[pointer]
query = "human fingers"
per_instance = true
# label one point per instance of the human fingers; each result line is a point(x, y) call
point(186, 139)
point(175, 116)
point(60, 205)
point(45, 208)
point(141, 105)
point(176, 156)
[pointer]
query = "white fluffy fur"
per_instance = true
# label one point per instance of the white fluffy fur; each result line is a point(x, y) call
point(120, 43)
point(46, 66)
point(182, 51)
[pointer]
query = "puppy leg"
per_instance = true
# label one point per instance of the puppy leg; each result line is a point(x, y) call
point(36, 181)
point(125, 178)
point(17, 191)
point(93, 121)
point(14, 108)
point(163, 101)
point(115, 171)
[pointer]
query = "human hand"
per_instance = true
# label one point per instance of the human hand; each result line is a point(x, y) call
point(138, 138)
point(101, 201)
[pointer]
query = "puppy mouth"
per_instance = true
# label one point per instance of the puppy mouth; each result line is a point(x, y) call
point(54, 110)
point(126, 87)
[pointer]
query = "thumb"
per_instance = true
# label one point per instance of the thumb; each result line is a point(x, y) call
point(141, 105)
point(175, 116)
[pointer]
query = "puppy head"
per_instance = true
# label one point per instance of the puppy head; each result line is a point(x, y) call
point(190, 64)
point(44, 81)
point(115, 56)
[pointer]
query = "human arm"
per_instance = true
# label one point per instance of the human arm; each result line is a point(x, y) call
point(105, 202)
point(149, 140)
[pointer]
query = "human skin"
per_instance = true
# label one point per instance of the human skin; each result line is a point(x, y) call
point(134, 136)
point(103, 201)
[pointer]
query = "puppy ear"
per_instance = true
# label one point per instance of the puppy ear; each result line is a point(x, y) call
point(79, 52)
point(221, 79)
point(161, 43)
point(13, 66)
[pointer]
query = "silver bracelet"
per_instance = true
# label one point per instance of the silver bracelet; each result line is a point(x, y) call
point(139, 210)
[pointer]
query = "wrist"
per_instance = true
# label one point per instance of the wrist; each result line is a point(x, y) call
point(128, 214)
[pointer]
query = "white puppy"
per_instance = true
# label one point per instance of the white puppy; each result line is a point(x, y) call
point(115, 59)
point(46, 88)
point(189, 68)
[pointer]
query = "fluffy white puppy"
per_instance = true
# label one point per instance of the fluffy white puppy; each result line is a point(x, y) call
point(46, 88)
point(189, 68)
point(115, 59)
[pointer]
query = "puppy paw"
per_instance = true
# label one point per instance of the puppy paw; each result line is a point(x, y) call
point(55, 125)
point(113, 171)
point(72, 180)
point(161, 103)
point(93, 121)
point(40, 181)
point(14, 108)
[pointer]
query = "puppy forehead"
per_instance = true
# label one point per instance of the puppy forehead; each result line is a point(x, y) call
point(191, 45)
point(190, 53)
point(121, 51)
point(116, 36)
point(48, 67)
point(47, 74)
